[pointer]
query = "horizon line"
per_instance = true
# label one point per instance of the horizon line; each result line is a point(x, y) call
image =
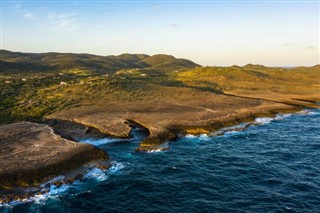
point(214, 65)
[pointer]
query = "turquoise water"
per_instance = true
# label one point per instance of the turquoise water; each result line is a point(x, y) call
point(271, 167)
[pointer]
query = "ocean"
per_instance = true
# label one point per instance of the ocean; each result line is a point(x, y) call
point(270, 167)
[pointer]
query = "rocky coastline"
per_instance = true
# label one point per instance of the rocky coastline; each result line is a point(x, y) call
point(41, 152)
point(164, 97)
point(32, 154)
point(162, 125)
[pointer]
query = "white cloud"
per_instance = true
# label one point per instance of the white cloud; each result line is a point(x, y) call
point(65, 22)
point(50, 21)
point(27, 14)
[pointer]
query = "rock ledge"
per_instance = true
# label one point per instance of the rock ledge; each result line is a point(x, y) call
point(32, 154)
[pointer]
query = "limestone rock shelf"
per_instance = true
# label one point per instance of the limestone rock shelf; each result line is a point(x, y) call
point(32, 154)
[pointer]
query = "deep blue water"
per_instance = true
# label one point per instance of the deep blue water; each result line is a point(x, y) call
point(272, 167)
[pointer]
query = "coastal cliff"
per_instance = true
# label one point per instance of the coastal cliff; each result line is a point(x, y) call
point(32, 154)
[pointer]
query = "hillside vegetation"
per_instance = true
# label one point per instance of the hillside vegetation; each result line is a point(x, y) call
point(277, 84)
point(34, 85)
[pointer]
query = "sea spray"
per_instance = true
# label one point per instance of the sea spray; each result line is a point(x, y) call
point(161, 148)
point(55, 192)
point(103, 141)
point(243, 126)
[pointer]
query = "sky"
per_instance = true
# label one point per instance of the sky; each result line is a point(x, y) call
point(209, 32)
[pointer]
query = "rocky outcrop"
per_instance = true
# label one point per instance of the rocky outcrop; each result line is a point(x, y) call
point(32, 154)
point(75, 131)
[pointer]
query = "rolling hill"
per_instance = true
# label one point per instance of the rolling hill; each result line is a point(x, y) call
point(13, 61)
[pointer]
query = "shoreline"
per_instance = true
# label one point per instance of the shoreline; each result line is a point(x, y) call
point(83, 130)
point(37, 155)
point(159, 141)
point(23, 194)
point(159, 136)
point(151, 144)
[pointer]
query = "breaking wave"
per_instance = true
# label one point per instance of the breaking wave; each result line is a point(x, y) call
point(55, 192)
point(160, 148)
point(99, 142)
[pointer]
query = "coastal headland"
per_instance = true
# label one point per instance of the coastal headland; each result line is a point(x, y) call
point(32, 154)
point(82, 95)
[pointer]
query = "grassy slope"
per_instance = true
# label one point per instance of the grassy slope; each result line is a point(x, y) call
point(29, 95)
point(277, 84)
point(33, 85)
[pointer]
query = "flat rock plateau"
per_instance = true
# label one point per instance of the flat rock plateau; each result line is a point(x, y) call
point(32, 154)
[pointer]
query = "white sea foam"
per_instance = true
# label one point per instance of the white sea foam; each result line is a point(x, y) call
point(204, 137)
point(282, 116)
point(308, 112)
point(264, 120)
point(201, 136)
point(101, 175)
point(155, 150)
point(99, 142)
point(233, 133)
point(97, 174)
point(160, 148)
point(116, 167)
point(39, 199)
point(55, 192)
point(304, 112)
point(314, 113)
point(241, 127)
point(190, 136)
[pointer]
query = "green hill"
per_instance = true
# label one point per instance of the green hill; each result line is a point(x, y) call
point(11, 61)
